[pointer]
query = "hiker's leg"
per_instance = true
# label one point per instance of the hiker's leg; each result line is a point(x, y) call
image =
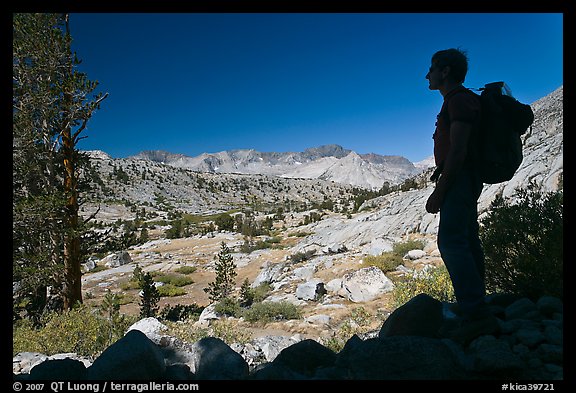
point(460, 247)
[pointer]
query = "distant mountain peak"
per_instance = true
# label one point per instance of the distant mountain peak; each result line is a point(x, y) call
point(157, 155)
point(331, 150)
point(98, 154)
point(426, 163)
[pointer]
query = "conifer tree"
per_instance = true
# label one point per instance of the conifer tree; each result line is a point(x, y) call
point(246, 294)
point(149, 296)
point(50, 109)
point(223, 285)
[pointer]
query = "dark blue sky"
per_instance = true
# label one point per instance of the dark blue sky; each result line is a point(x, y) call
point(191, 83)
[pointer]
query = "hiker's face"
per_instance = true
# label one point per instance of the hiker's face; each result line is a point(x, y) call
point(435, 77)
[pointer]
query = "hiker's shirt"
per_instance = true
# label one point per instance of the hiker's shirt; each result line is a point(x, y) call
point(460, 104)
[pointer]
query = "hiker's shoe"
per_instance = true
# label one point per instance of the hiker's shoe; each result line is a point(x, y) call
point(471, 329)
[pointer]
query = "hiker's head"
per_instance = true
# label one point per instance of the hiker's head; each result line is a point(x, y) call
point(451, 63)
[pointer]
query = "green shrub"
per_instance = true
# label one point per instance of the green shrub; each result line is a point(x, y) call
point(186, 269)
point(185, 331)
point(224, 222)
point(99, 268)
point(261, 292)
point(434, 282)
point(229, 332)
point(302, 256)
point(130, 285)
point(225, 330)
point(273, 242)
point(177, 280)
point(249, 295)
point(387, 261)
point(229, 307)
point(523, 244)
point(126, 298)
point(180, 312)
point(357, 323)
point(402, 248)
point(170, 290)
point(81, 330)
point(272, 311)
point(390, 260)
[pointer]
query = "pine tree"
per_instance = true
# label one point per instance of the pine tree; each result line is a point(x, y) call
point(149, 296)
point(246, 294)
point(223, 285)
point(50, 109)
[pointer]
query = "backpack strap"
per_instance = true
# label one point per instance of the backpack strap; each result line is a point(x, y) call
point(474, 136)
point(463, 89)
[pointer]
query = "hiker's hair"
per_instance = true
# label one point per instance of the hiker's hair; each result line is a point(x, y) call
point(456, 59)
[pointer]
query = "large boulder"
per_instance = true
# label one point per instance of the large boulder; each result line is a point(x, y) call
point(401, 358)
point(133, 357)
point(214, 359)
point(366, 284)
point(117, 259)
point(420, 316)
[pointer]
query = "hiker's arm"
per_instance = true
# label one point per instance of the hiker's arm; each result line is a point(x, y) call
point(459, 135)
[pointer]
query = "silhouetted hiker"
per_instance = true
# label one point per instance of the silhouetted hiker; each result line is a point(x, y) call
point(457, 191)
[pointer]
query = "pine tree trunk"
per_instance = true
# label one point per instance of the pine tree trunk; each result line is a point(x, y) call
point(72, 288)
point(72, 273)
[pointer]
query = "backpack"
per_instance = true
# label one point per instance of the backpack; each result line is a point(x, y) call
point(503, 121)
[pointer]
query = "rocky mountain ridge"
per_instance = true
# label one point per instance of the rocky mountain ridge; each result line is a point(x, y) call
point(159, 188)
point(327, 162)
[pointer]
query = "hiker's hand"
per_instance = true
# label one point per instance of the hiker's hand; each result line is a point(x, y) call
point(434, 202)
